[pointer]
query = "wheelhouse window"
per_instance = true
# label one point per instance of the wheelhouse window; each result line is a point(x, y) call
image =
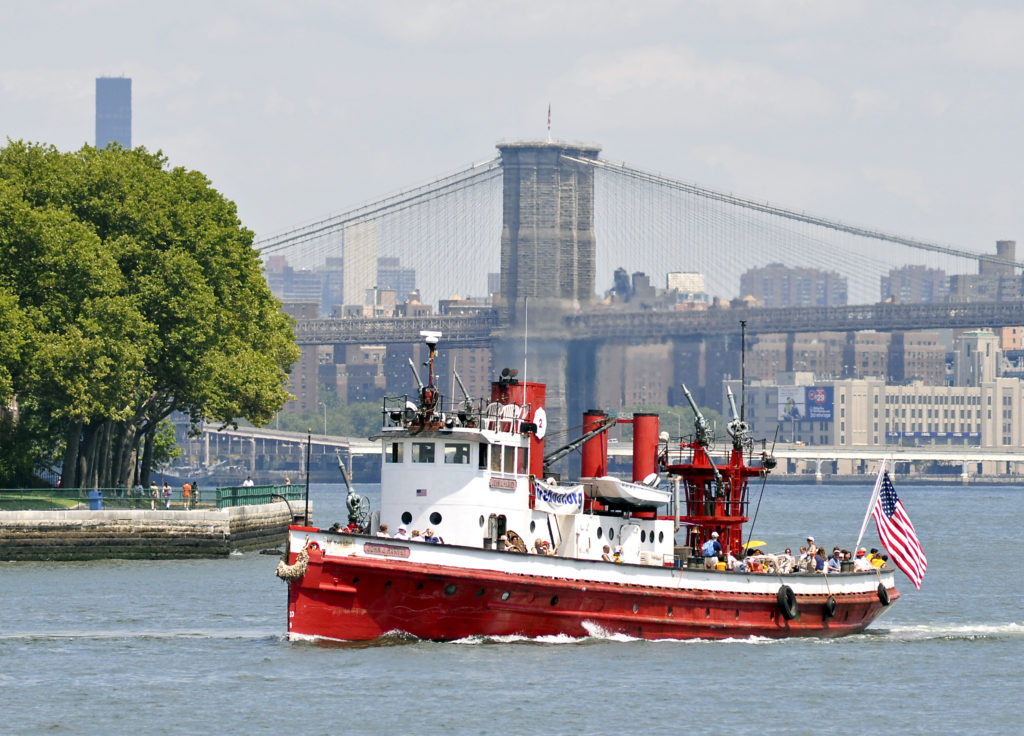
point(456, 453)
point(496, 458)
point(482, 459)
point(510, 459)
point(423, 452)
point(394, 452)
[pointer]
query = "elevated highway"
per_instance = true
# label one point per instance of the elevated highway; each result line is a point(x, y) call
point(641, 325)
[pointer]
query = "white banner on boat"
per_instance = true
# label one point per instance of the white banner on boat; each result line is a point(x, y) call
point(568, 500)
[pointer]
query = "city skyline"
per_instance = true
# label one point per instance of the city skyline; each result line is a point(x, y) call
point(895, 117)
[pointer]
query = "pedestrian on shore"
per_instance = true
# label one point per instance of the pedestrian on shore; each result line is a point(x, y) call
point(186, 495)
point(195, 495)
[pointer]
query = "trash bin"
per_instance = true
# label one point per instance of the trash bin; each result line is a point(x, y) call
point(95, 500)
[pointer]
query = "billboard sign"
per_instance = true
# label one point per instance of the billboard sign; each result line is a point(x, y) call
point(818, 403)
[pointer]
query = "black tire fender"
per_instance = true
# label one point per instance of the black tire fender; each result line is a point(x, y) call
point(883, 595)
point(830, 607)
point(787, 603)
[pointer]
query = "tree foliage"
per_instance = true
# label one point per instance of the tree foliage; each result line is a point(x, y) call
point(128, 290)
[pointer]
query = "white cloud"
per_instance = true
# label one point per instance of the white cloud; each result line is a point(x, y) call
point(988, 38)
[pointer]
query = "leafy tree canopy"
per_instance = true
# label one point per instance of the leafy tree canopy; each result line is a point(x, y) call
point(128, 290)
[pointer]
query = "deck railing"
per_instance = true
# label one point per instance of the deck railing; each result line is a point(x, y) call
point(39, 499)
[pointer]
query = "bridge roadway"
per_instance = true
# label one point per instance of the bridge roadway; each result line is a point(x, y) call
point(609, 324)
point(816, 454)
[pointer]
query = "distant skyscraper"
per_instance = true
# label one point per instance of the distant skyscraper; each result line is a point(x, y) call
point(113, 111)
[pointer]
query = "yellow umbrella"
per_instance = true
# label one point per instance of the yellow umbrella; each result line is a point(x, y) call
point(754, 543)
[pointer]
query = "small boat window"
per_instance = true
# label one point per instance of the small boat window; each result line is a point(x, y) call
point(510, 459)
point(482, 460)
point(457, 453)
point(423, 452)
point(394, 453)
point(524, 460)
point(496, 458)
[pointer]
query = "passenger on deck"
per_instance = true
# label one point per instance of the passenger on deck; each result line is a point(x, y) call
point(548, 549)
point(403, 533)
point(430, 537)
point(416, 536)
point(816, 563)
point(538, 547)
point(505, 545)
point(383, 531)
point(861, 563)
point(710, 551)
point(606, 553)
point(812, 548)
point(835, 561)
point(803, 557)
point(617, 555)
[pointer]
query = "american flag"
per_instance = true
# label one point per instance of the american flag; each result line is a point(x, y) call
point(421, 491)
point(897, 533)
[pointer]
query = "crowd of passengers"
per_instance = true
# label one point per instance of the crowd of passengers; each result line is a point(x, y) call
point(811, 559)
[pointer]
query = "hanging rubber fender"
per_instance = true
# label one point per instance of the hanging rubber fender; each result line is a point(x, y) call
point(883, 595)
point(830, 607)
point(787, 603)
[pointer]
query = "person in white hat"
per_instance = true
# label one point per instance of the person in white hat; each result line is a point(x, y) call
point(403, 533)
point(710, 551)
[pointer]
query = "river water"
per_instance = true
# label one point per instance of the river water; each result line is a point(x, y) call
point(173, 647)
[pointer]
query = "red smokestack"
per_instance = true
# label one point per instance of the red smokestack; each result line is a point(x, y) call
point(645, 446)
point(594, 463)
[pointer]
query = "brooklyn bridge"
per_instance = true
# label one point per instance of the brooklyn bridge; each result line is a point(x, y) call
point(539, 231)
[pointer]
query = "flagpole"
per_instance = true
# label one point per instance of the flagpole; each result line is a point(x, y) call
point(871, 505)
point(549, 122)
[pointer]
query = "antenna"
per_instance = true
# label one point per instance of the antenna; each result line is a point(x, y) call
point(549, 122)
point(743, 369)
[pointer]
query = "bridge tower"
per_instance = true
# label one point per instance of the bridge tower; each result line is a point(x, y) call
point(548, 259)
point(548, 249)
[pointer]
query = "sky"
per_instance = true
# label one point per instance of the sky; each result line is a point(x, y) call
point(905, 117)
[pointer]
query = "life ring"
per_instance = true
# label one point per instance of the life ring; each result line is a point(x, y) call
point(787, 603)
point(830, 607)
point(883, 595)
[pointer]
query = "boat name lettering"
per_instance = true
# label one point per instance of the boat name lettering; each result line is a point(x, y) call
point(507, 484)
point(385, 550)
point(560, 499)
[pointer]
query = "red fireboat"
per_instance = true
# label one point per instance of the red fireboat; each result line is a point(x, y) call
point(512, 550)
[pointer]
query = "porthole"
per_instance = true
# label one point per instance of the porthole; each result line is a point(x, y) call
point(554, 600)
point(600, 532)
point(611, 533)
point(435, 518)
point(480, 592)
point(355, 580)
point(406, 517)
point(481, 521)
point(670, 610)
point(387, 584)
point(707, 613)
point(661, 536)
point(505, 595)
point(636, 608)
point(450, 589)
point(533, 527)
point(643, 536)
point(419, 587)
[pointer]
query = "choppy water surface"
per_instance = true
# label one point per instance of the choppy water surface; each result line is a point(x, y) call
point(197, 647)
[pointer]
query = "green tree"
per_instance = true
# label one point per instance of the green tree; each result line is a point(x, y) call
point(142, 296)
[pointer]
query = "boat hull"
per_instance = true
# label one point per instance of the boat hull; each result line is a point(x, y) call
point(359, 588)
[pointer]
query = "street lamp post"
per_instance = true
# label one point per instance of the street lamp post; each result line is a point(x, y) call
point(325, 416)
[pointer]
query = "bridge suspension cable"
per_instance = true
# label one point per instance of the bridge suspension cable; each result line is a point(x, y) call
point(460, 180)
point(769, 209)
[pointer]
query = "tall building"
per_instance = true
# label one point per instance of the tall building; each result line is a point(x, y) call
point(776, 285)
point(391, 275)
point(113, 111)
point(915, 284)
point(359, 251)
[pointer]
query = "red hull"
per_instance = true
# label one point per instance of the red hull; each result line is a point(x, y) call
point(360, 598)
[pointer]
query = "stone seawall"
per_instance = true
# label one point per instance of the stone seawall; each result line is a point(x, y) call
point(140, 534)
